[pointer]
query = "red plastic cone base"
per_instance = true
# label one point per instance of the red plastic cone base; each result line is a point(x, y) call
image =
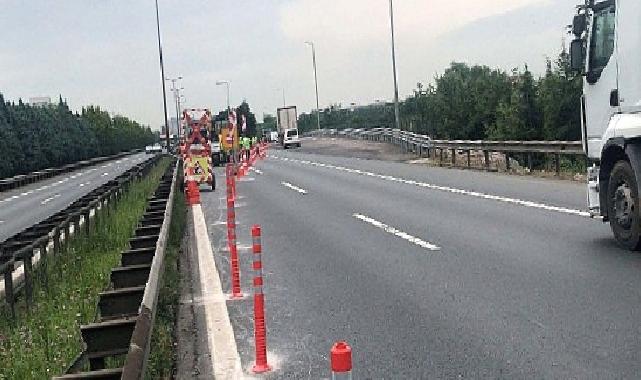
point(261, 368)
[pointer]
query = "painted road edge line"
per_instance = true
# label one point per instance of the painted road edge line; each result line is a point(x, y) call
point(220, 333)
point(519, 202)
point(295, 188)
point(403, 235)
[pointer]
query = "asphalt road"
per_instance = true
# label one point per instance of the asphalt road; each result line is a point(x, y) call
point(27, 205)
point(430, 273)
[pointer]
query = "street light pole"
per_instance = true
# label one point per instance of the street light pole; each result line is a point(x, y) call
point(162, 78)
point(396, 109)
point(225, 82)
point(316, 83)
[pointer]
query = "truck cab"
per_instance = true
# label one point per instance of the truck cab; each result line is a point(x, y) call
point(607, 52)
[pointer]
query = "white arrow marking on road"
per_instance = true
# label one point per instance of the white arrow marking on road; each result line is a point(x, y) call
point(49, 199)
point(403, 235)
point(448, 189)
point(295, 188)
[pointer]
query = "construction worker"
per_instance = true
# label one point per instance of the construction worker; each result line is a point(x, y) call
point(246, 146)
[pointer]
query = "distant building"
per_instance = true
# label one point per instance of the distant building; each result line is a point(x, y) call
point(40, 101)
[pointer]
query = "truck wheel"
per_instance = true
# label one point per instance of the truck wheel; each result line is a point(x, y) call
point(623, 206)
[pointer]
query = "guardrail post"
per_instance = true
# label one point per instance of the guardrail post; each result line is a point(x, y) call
point(76, 224)
point(530, 163)
point(45, 263)
point(56, 240)
point(469, 158)
point(507, 161)
point(87, 216)
point(8, 287)
point(486, 155)
point(557, 163)
point(454, 157)
point(440, 162)
point(28, 276)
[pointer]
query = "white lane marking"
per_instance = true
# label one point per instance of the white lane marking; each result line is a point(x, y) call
point(84, 184)
point(1, 221)
point(49, 199)
point(295, 188)
point(403, 235)
point(27, 193)
point(105, 174)
point(519, 202)
point(45, 187)
point(220, 334)
point(257, 171)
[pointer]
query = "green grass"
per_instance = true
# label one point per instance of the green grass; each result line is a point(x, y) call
point(162, 358)
point(42, 342)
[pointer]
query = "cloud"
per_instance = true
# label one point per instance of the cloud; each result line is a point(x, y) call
point(355, 23)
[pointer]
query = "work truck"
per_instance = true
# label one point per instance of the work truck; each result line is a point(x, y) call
point(606, 50)
point(287, 127)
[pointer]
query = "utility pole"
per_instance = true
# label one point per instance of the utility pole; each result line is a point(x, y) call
point(176, 92)
point(316, 83)
point(162, 79)
point(397, 116)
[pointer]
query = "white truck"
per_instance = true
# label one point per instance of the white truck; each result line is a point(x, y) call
point(607, 51)
point(287, 127)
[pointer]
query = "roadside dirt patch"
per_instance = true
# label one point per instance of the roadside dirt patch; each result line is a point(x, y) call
point(365, 150)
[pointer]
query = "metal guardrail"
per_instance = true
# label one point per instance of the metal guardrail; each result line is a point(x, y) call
point(127, 310)
point(25, 179)
point(20, 249)
point(424, 146)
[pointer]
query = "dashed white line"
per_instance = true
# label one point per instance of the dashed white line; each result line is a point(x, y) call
point(403, 235)
point(257, 171)
point(49, 199)
point(105, 174)
point(519, 202)
point(84, 184)
point(295, 188)
point(26, 193)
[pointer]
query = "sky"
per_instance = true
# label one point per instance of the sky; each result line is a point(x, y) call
point(105, 52)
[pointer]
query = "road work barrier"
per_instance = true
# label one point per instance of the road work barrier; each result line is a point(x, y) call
point(233, 251)
point(424, 146)
point(260, 329)
point(26, 179)
point(17, 253)
point(127, 309)
point(341, 361)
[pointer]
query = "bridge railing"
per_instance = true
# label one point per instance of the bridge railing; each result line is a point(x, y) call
point(424, 146)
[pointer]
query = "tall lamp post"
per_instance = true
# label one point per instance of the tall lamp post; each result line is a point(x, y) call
point(227, 83)
point(396, 109)
point(315, 82)
point(162, 78)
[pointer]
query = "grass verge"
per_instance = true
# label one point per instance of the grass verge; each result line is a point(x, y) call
point(42, 342)
point(162, 358)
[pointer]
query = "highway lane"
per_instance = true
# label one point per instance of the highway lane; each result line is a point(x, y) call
point(27, 205)
point(513, 291)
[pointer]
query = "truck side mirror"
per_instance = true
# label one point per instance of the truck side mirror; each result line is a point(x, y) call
point(579, 25)
point(577, 56)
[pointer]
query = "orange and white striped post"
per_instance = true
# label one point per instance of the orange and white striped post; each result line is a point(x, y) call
point(233, 250)
point(341, 361)
point(260, 329)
